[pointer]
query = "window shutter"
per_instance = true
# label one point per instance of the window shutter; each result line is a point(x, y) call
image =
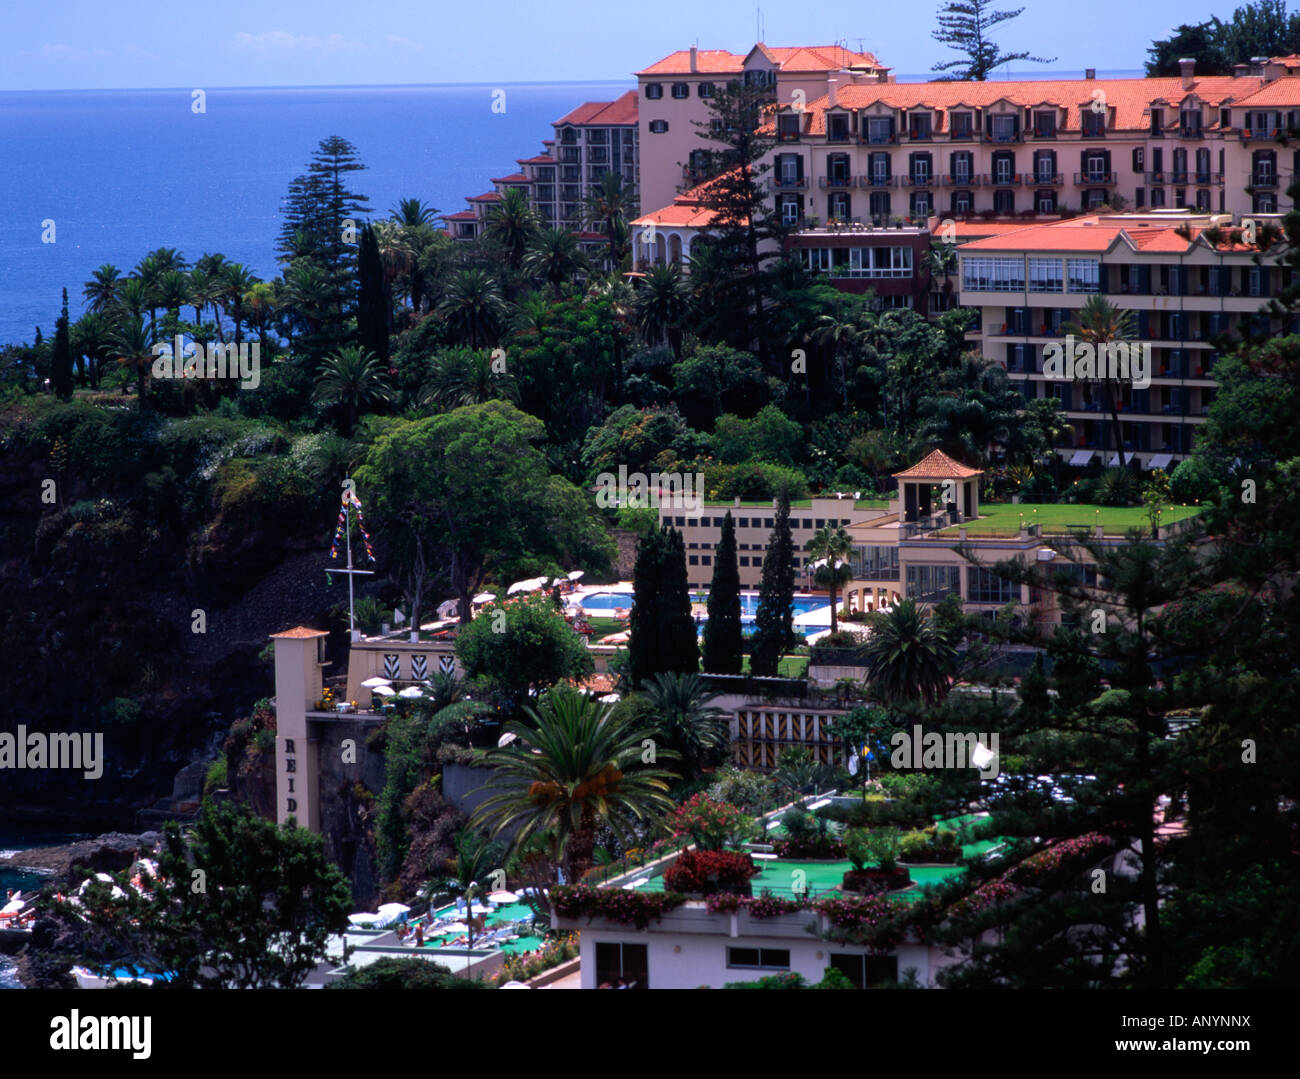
point(798, 167)
point(1083, 160)
point(1051, 156)
point(1137, 159)
point(1105, 156)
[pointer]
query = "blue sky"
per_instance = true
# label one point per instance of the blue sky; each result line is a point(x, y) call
point(88, 44)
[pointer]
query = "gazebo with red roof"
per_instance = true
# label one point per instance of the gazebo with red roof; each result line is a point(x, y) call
point(960, 484)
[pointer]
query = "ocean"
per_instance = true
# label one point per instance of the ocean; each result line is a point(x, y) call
point(12, 839)
point(122, 172)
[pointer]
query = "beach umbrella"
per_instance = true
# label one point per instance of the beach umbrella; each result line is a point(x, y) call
point(455, 928)
point(384, 691)
point(375, 683)
point(411, 691)
point(516, 985)
point(483, 597)
point(363, 919)
point(447, 609)
point(576, 575)
point(503, 896)
point(506, 739)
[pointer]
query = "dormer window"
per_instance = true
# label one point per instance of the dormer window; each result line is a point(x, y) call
point(788, 127)
point(880, 129)
point(1045, 124)
point(1189, 123)
point(918, 125)
point(1157, 123)
point(837, 128)
point(963, 123)
point(1094, 122)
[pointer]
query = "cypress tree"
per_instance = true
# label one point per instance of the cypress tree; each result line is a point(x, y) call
point(662, 633)
point(61, 361)
point(774, 620)
point(681, 645)
point(372, 300)
point(722, 636)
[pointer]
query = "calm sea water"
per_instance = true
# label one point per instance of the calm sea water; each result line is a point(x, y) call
point(12, 839)
point(121, 172)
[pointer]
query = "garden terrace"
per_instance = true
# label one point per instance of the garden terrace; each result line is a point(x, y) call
point(1062, 519)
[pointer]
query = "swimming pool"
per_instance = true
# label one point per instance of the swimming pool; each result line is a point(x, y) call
point(612, 601)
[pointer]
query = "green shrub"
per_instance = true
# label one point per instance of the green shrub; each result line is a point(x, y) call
point(121, 712)
point(216, 777)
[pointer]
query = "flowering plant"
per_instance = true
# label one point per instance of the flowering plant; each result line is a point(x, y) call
point(616, 904)
point(711, 871)
point(712, 825)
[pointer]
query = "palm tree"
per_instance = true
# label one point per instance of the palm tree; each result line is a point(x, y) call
point(101, 290)
point(513, 225)
point(837, 335)
point(133, 344)
point(663, 304)
point(395, 250)
point(829, 550)
point(686, 720)
point(908, 656)
point(531, 312)
point(462, 376)
point(234, 283)
point(352, 377)
point(172, 289)
point(133, 298)
point(1100, 322)
point(411, 213)
point(92, 337)
point(476, 856)
point(473, 306)
point(554, 258)
point(306, 294)
point(260, 301)
point(607, 206)
point(575, 768)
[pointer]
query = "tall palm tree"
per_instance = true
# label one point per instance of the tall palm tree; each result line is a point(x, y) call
point(513, 225)
point(838, 336)
point(133, 343)
point(663, 304)
point(260, 303)
point(473, 306)
point(172, 289)
point(306, 294)
point(683, 715)
point(908, 656)
point(575, 767)
point(92, 337)
point(205, 281)
point(235, 281)
point(829, 551)
point(133, 299)
point(476, 856)
point(396, 253)
point(101, 290)
point(1100, 322)
point(554, 258)
point(352, 377)
point(608, 205)
point(463, 376)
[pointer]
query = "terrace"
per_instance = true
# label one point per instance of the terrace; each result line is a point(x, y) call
point(1059, 519)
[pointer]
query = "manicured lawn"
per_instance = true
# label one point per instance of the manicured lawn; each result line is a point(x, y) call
point(1057, 519)
point(789, 667)
point(603, 627)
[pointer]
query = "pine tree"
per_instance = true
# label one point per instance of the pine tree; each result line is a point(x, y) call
point(964, 25)
point(322, 222)
point(774, 620)
point(373, 305)
point(723, 643)
point(737, 194)
point(61, 361)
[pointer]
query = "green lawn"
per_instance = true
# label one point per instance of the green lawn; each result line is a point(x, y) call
point(789, 667)
point(1057, 519)
point(798, 504)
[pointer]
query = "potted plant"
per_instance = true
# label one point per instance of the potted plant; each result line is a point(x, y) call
point(882, 847)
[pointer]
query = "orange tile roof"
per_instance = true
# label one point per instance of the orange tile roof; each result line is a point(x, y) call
point(1279, 92)
point(978, 229)
point(937, 465)
point(707, 62)
point(300, 633)
point(513, 178)
point(798, 58)
point(1068, 236)
point(539, 159)
point(1129, 98)
point(685, 210)
point(487, 196)
point(622, 110)
point(461, 215)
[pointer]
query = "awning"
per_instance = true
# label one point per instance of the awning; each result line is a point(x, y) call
point(1161, 460)
point(1081, 457)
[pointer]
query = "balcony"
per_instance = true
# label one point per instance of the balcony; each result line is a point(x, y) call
point(961, 179)
point(1005, 138)
point(919, 179)
point(1263, 179)
point(1002, 179)
point(878, 140)
point(787, 136)
point(877, 181)
point(961, 136)
point(920, 136)
point(1191, 132)
point(790, 183)
point(1045, 132)
point(1094, 179)
point(1045, 179)
point(1254, 134)
point(694, 172)
point(1207, 177)
point(835, 183)
point(1178, 176)
point(1154, 177)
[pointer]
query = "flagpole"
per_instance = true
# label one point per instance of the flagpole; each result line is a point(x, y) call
point(348, 502)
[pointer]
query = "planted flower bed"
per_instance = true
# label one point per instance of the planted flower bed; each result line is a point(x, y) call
point(708, 872)
point(616, 904)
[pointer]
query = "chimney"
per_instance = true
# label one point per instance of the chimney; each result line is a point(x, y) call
point(1090, 73)
point(832, 83)
point(695, 52)
point(1187, 69)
